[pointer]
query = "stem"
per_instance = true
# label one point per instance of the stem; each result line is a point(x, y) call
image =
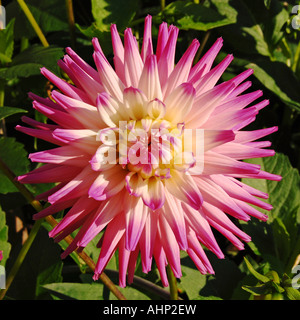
point(33, 22)
point(137, 21)
point(2, 94)
point(203, 43)
point(38, 207)
point(23, 190)
point(145, 284)
point(296, 58)
point(71, 21)
point(162, 4)
point(173, 284)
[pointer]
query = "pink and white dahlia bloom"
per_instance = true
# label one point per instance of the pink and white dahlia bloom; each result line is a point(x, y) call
point(149, 153)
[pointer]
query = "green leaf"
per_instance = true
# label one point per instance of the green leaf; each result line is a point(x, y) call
point(278, 21)
point(273, 275)
point(261, 289)
point(192, 280)
point(104, 37)
point(278, 237)
point(120, 12)
point(30, 61)
point(292, 294)
point(282, 240)
point(246, 35)
point(277, 287)
point(15, 157)
point(50, 15)
point(78, 291)
point(256, 274)
point(283, 195)
point(130, 292)
point(5, 246)
point(8, 111)
point(221, 284)
point(267, 3)
point(7, 43)
point(258, 29)
point(189, 15)
point(90, 291)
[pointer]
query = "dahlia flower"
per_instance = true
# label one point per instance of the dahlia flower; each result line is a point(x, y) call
point(149, 153)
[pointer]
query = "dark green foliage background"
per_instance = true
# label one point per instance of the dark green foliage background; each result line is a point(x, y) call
point(260, 36)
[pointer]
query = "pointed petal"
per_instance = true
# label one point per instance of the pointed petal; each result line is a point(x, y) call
point(240, 151)
point(179, 103)
point(136, 215)
point(220, 218)
point(182, 69)
point(118, 49)
point(237, 192)
point(149, 81)
point(156, 109)
point(109, 79)
point(81, 207)
point(82, 63)
point(167, 58)
point(209, 80)
point(153, 193)
point(147, 241)
point(205, 104)
point(82, 112)
point(162, 39)
point(147, 48)
point(214, 138)
point(75, 188)
point(160, 259)
point(83, 80)
point(108, 183)
point(172, 211)
point(216, 163)
point(54, 208)
point(66, 155)
point(40, 134)
point(135, 184)
point(109, 110)
point(170, 246)
point(247, 136)
point(183, 187)
point(133, 63)
point(135, 103)
point(215, 195)
point(61, 118)
point(114, 232)
point(123, 258)
point(65, 87)
point(197, 249)
point(198, 222)
point(50, 173)
point(205, 63)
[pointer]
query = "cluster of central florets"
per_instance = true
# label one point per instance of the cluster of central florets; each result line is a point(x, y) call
point(146, 141)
